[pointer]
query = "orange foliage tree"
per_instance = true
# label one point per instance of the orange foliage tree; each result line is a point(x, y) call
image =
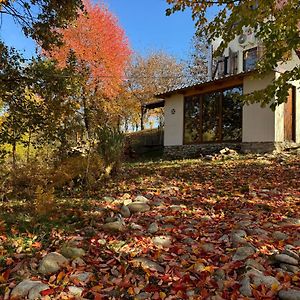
point(101, 53)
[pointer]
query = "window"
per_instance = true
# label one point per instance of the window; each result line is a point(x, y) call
point(213, 117)
point(250, 59)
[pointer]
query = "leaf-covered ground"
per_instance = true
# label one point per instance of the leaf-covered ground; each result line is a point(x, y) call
point(210, 230)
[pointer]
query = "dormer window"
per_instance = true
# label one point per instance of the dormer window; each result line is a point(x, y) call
point(250, 59)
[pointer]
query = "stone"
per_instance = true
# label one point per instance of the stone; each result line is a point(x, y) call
point(254, 264)
point(289, 294)
point(242, 253)
point(82, 277)
point(162, 241)
point(125, 212)
point(268, 281)
point(279, 236)
point(291, 253)
point(78, 262)
point(148, 264)
point(116, 226)
point(51, 263)
point(238, 237)
point(143, 296)
point(224, 238)
point(72, 252)
point(127, 201)
point(188, 241)
point(290, 268)
point(176, 207)
point(75, 291)
point(205, 218)
point(292, 221)
point(137, 207)
point(153, 228)
point(21, 291)
point(35, 292)
point(245, 288)
point(135, 226)
point(283, 258)
point(109, 199)
point(208, 247)
point(141, 198)
point(199, 267)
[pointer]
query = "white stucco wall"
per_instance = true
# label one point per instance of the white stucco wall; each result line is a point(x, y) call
point(258, 122)
point(235, 46)
point(173, 134)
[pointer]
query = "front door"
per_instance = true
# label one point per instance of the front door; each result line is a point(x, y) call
point(290, 116)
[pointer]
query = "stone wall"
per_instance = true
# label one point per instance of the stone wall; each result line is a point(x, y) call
point(196, 151)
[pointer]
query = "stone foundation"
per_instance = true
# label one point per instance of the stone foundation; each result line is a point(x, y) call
point(196, 151)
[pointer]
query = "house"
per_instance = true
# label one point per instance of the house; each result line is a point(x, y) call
point(206, 116)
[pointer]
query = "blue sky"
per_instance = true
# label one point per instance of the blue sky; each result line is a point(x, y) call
point(144, 22)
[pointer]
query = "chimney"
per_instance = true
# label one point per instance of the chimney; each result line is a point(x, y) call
point(209, 62)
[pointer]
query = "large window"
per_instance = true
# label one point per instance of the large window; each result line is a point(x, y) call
point(213, 117)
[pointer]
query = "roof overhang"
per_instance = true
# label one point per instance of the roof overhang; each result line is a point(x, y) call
point(159, 103)
point(209, 86)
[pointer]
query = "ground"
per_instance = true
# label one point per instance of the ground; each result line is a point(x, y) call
point(190, 229)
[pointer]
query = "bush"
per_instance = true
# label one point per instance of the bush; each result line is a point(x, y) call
point(111, 148)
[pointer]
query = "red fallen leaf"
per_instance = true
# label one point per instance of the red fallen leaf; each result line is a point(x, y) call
point(47, 292)
point(97, 296)
point(37, 245)
point(6, 274)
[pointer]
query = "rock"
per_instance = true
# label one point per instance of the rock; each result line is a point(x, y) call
point(289, 294)
point(127, 201)
point(21, 291)
point(188, 241)
point(283, 258)
point(75, 291)
point(35, 292)
point(291, 253)
point(291, 221)
point(279, 236)
point(176, 207)
point(208, 247)
point(109, 199)
point(238, 237)
point(148, 264)
point(116, 226)
point(72, 252)
point(244, 224)
point(199, 267)
point(125, 212)
point(268, 281)
point(245, 288)
point(141, 199)
point(137, 207)
point(290, 268)
point(143, 296)
point(153, 227)
point(206, 218)
point(135, 226)
point(78, 262)
point(242, 253)
point(254, 264)
point(82, 277)
point(162, 241)
point(224, 238)
point(51, 263)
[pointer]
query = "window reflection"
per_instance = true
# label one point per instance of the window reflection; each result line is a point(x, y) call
point(213, 117)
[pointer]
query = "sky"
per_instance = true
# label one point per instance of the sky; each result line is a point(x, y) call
point(145, 24)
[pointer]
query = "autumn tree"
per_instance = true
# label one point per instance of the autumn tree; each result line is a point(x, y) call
point(102, 52)
point(276, 23)
point(152, 75)
point(40, 19)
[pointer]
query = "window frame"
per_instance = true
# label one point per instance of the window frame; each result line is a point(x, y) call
point(254, 49)
point(219, 132)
